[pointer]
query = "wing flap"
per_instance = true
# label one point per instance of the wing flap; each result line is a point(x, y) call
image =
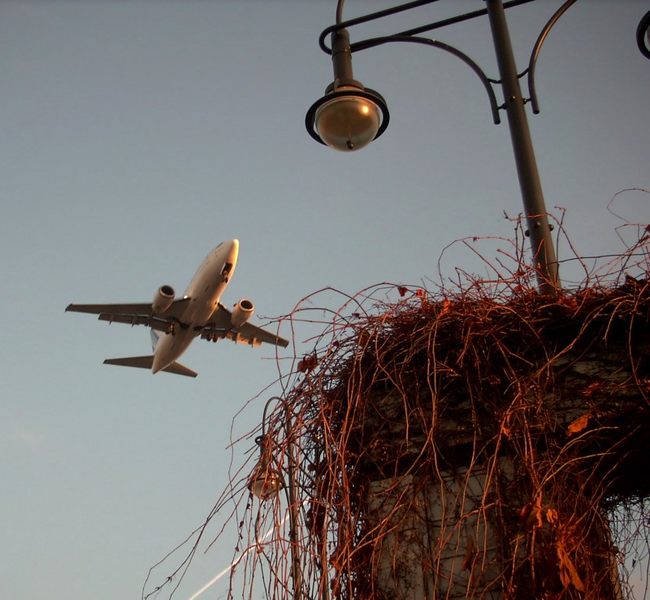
point(250, 331)
point(164, 325)
point(212, 335)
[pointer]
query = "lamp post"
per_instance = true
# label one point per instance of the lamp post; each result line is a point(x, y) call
point(529, 182)
point(350, 116)
point(266, 481)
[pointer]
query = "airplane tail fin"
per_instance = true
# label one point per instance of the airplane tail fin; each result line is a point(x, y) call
point(146, 362)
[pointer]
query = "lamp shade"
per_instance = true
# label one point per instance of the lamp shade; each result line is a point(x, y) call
point(347, 118)
point(348, 122)
point(265, 483)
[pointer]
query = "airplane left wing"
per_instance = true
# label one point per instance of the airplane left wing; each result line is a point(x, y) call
point(220, 327)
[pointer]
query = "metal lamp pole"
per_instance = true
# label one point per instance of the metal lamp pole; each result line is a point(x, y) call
point(539, 228)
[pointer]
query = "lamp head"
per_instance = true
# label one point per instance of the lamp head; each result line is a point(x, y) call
point(348, 117)
point(265, 483)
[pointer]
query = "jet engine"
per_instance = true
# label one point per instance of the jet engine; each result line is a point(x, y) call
point(163, 299)
point(241, 312)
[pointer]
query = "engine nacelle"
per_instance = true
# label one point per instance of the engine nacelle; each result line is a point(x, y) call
point(241, 312)
point(163, 299)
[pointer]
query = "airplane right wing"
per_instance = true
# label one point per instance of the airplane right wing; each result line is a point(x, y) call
point(135, 314)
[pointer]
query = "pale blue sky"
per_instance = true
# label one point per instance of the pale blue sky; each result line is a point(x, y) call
point(136, 135)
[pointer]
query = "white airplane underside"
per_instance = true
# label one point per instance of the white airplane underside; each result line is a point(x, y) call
point(174, 323)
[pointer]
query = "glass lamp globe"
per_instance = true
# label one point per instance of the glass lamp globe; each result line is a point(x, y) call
point(266, 485)
point(348, 122)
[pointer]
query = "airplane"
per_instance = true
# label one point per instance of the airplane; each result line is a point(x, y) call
point(175, 322)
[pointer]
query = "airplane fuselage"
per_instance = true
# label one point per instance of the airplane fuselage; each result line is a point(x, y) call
point(204, 291)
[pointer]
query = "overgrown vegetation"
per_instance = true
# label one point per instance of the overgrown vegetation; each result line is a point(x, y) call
point(482, 441)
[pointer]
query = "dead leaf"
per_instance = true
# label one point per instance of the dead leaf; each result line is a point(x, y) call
point(307, 363)
point(568, 572)
point(590, 389)
point(468, 561)
point(551, 515)
point(531, 514)
point(579, 424)
point(446, 306)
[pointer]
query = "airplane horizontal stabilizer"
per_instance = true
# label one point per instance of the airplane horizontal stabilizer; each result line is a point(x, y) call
point(180, 369)
point(146, 362)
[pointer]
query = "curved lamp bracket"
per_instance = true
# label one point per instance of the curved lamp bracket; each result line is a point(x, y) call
point(340, 24)
point(370, 43)
point(643, 35)
point(412, 35)
point(537, 49)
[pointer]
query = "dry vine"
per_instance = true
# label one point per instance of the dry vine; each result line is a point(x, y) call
point(481, 441)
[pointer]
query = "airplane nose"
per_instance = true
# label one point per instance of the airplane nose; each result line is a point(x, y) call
point(234, 250)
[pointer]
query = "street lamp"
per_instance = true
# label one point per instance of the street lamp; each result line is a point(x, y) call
point(350, 116)
point(266, 482)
